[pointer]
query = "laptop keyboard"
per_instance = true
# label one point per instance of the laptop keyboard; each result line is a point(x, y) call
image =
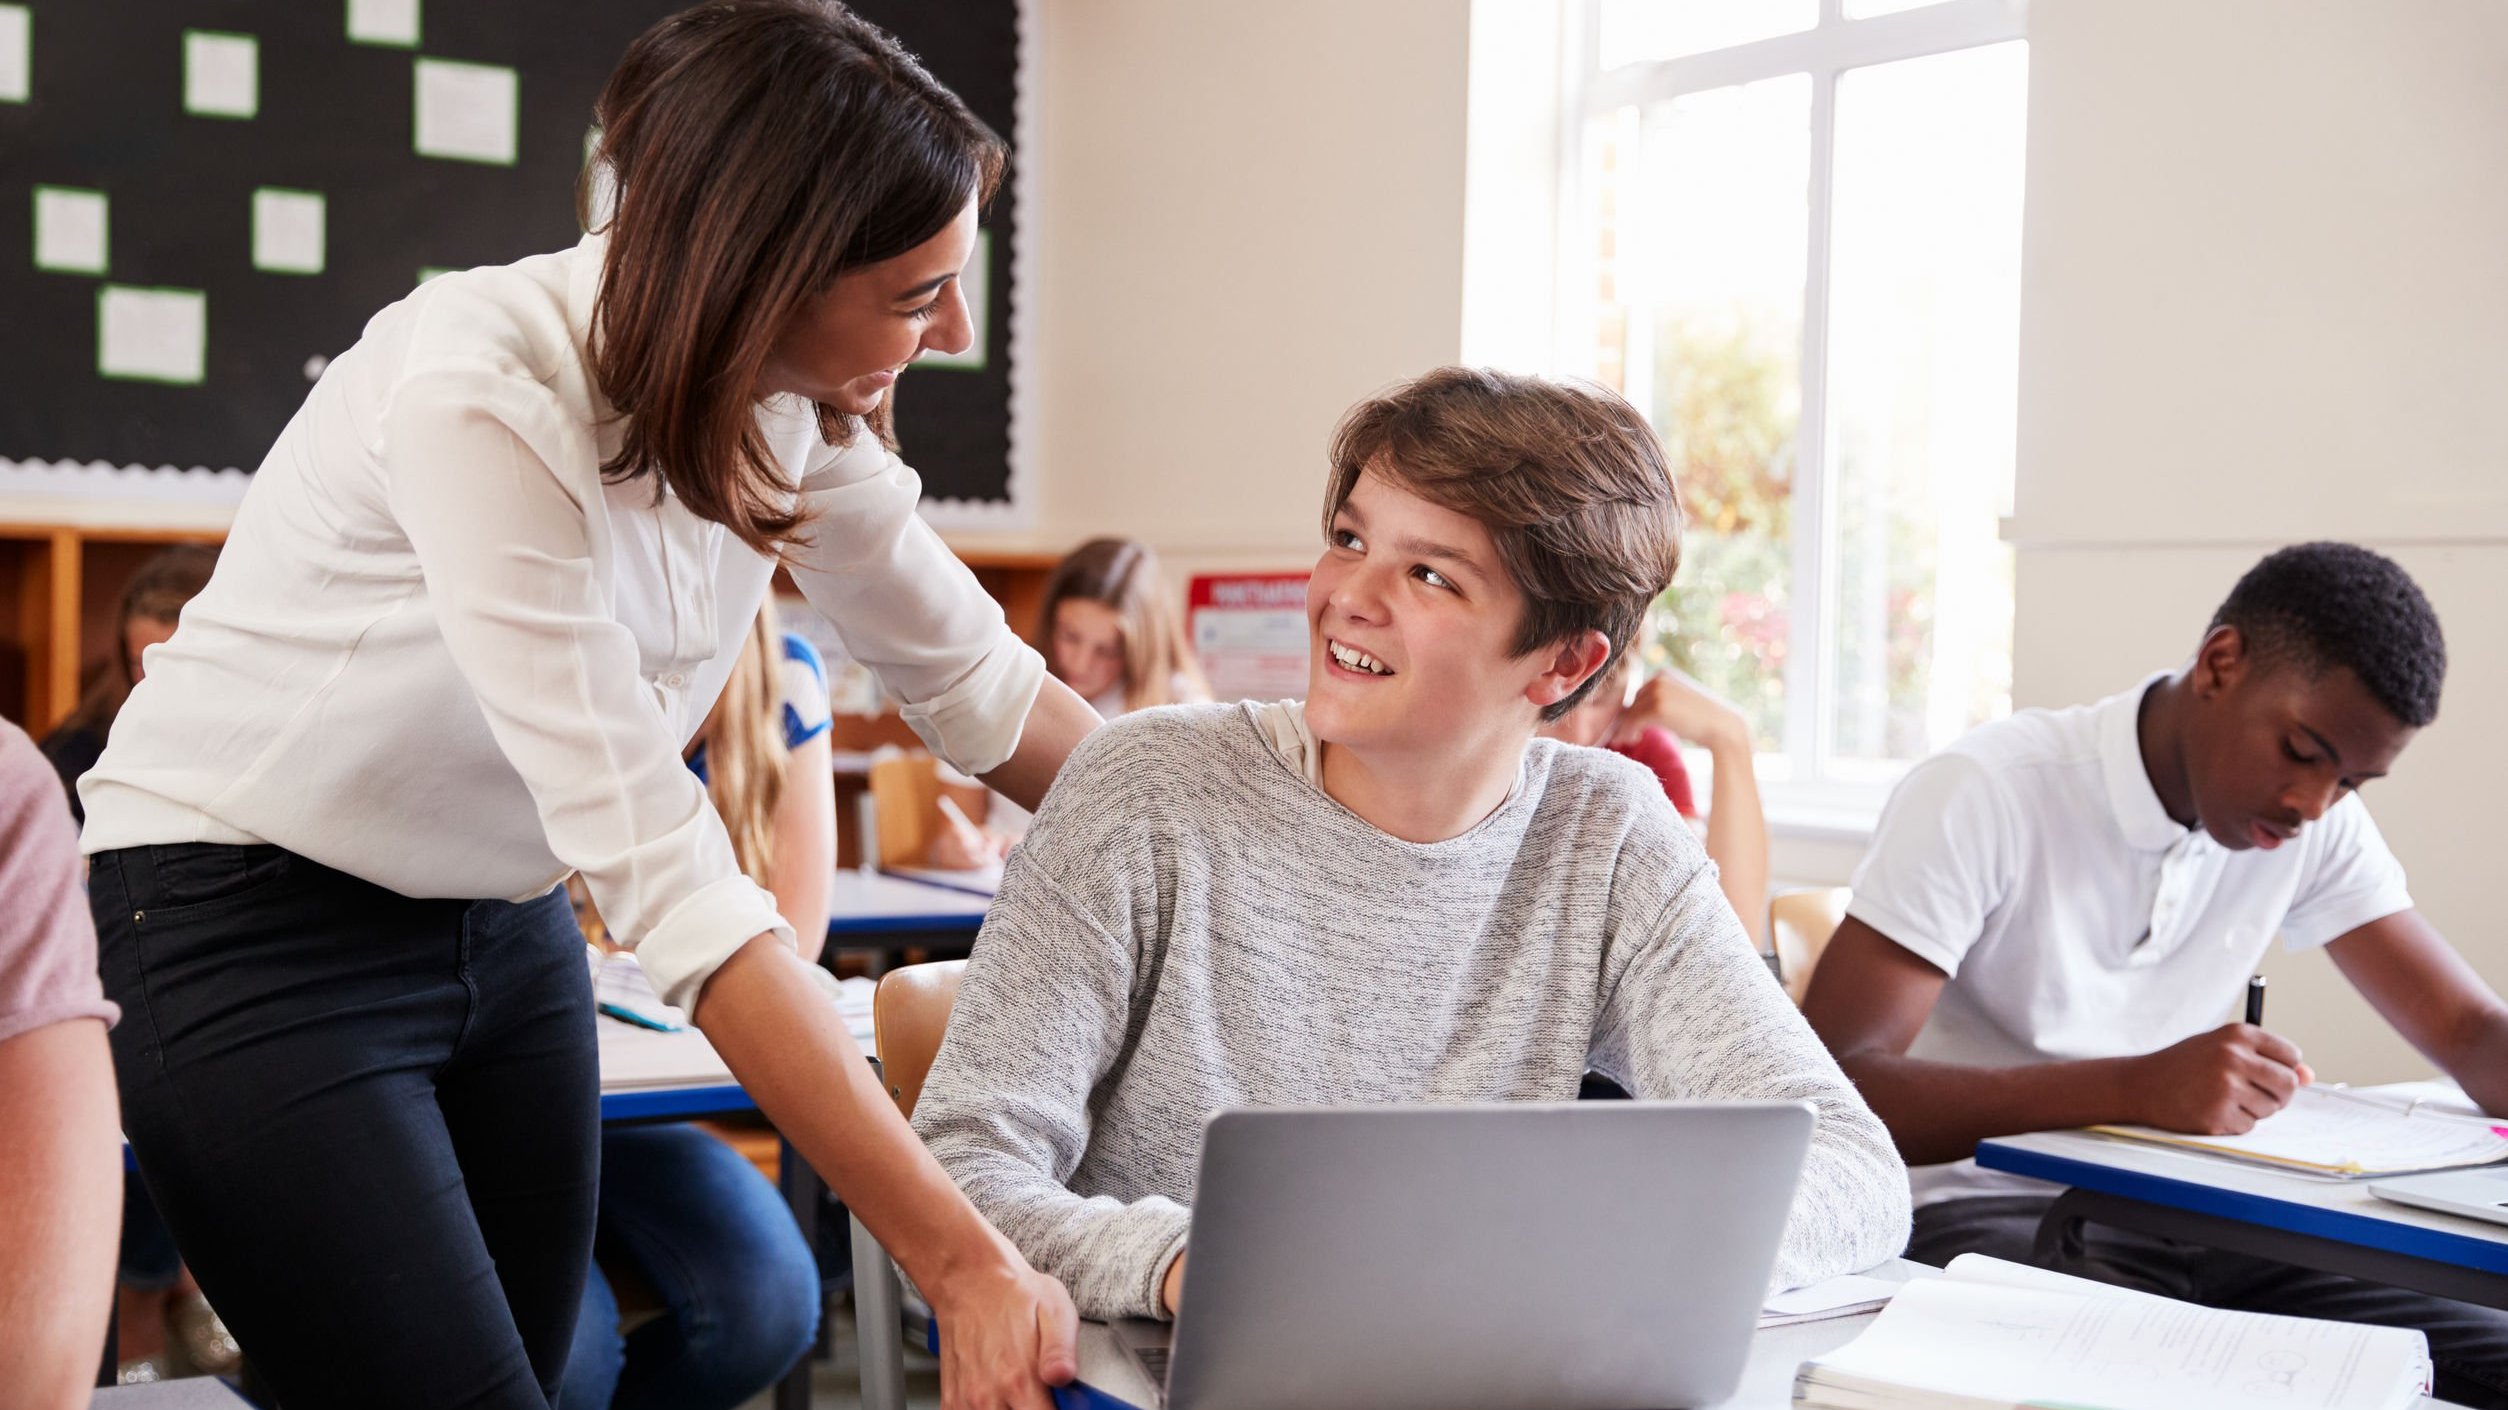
point(1153, 1359)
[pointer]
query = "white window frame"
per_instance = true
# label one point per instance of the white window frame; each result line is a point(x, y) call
point(1843, 803)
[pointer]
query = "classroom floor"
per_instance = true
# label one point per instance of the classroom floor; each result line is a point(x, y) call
point(836, 1383)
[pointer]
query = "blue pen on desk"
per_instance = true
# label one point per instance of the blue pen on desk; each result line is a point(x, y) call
point(627, 1015)
point(2255, 1001)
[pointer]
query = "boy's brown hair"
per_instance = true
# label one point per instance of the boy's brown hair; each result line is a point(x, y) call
point(1566, 475)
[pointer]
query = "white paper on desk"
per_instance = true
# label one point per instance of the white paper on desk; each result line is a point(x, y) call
point(2351, 1133)
point(1968, 1343)
point(2433, 1098)
point(641, 1057)
point(1847, 1296)
point(984, 880)
point(619, 981)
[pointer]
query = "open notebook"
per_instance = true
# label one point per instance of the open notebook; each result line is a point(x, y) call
point(2354, 1134)
point(1998, 1336)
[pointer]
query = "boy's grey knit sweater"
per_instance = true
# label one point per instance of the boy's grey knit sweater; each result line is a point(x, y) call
point(1191, 926)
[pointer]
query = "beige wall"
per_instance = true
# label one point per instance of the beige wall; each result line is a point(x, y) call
point(2263, 300)
point(1247, 217)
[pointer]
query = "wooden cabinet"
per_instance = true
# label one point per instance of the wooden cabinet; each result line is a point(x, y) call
point(60, 590)
point(61, 587)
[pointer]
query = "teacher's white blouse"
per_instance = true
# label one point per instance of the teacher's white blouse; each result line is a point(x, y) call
point(441, 654)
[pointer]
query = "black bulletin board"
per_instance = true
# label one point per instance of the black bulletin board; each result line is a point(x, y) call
point(106, 112)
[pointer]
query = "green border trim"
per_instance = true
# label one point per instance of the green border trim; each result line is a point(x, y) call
point(513, 111)
point(36, 250)
point(321, 257)
point(105, 290)
point(24, 18)
point(431, 271)
point(252, 39)
point(417, 29)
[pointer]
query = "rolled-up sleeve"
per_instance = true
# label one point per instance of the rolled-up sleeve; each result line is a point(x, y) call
point(905, 607)
point(508, 550)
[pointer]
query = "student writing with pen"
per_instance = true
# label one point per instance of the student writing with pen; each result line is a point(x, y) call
point(2057, 911)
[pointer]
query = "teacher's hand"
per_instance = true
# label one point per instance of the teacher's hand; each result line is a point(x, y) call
point(1007, 1332)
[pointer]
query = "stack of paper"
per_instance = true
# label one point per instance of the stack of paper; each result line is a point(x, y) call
point(2331, 1131)
point(1999, 1336)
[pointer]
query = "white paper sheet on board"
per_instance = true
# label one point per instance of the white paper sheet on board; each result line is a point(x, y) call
point(70, 230)
point(393, 22)
point(17, 67)
point(287, 231)
point(221, 74)
point(466, 111)
point(152, 335)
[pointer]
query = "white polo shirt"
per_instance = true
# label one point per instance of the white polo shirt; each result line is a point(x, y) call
point(443, 653)
point(2033, 863)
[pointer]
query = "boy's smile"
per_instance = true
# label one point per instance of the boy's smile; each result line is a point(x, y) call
point(1412, 621)
point(1415, 687)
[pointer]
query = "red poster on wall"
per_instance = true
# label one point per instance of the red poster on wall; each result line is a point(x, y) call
point(1250, 631)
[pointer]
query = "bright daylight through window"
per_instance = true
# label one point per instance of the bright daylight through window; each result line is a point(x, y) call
point(1790, 233)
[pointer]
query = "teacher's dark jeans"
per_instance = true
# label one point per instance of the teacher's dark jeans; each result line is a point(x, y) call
point(371, 1122)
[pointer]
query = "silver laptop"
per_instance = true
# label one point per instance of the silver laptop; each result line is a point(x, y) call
point(1573, 1255)
point(2475, 1194)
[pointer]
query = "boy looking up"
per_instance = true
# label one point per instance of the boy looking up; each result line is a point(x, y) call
point(1389, 892)
point(2057, 911)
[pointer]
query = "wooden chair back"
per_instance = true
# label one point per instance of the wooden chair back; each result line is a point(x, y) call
point(905, 807)
point(909, 1013)
point(1799, 926)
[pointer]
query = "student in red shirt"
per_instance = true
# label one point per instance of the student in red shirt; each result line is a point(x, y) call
point(1649, 727)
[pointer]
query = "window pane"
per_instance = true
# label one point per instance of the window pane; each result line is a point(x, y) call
point(1924, 335)
point(1641, 31)
point(1703, 219)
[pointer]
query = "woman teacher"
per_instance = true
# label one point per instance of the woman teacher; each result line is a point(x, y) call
point(486, 585)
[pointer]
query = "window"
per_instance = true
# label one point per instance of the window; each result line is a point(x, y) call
point(1790, 233)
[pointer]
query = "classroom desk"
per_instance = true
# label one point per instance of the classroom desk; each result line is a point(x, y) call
point(648, 1077)
point(2334, 1226)
point(1109, 1381)
point(869, 910)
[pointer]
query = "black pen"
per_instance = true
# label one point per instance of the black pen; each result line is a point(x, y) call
point(2255, 1001)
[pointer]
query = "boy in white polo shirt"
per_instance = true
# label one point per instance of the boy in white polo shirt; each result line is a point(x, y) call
point(2058, 909)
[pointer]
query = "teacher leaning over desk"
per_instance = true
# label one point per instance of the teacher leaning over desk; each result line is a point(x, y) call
point(485, 587)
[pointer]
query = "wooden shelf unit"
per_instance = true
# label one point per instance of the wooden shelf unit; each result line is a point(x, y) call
point(61, 587)
point(60, 590)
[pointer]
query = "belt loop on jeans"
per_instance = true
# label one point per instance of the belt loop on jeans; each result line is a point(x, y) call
point(138, 869)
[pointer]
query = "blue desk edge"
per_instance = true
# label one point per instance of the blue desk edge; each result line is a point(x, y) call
point(2436, 1245)
point(634, 1105)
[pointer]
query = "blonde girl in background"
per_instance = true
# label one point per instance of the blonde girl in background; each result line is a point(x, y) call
point(1111, 630)
point(681, 1212)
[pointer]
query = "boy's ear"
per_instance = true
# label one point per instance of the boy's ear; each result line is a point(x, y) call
point(1570, 664)
point(2220, 662)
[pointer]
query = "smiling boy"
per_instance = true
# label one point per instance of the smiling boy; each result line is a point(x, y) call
point(1388, 892)
point(2057, 911)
